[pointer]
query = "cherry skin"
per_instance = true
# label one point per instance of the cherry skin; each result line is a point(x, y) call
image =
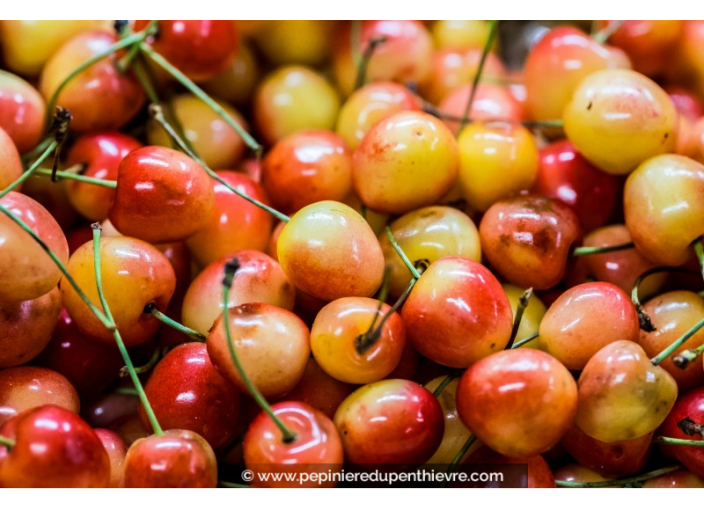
point(134, 274)
point(622, 396)
point(460, 33)
point(662, 204)
point(405, 161)
point(26, 271)
point(456, 434)
point(27, 327)
point(53, 448)
point(619, 118)
point(297, 41)
point(491, 103)
point(689, 405)
point(342, 324)
point(390, 422)
point(617, 459)
point(200, 49)
point(457, 313)
point(116, 449)
point(273, 346)
point(528, 239)
point(187, 392)
point(329, 251)
point(11, 168)
point(586, 318)
point(518, 402)
point(497, 160)
point(162, 195)
point(577, 473)
point(237, 82)
point(370, 104)
point(564, 174)
point(686, 102)
point(648, 43)
point(260, 279)
point(102, 154)
point(677, 479)
point(53, 198)
point(99, 98)
point(316, 447)
point(110, 408)
point(178, 459)
point(538, 476)
point(307, 167)
point(21, 111)
point(428, 234)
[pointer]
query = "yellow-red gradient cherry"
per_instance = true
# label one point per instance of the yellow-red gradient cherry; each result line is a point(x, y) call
point(457, 313)
point(237, 82)
point(689, 64)
point(117, 450)
point(329, 251)
point(26, 271)
point(11, 166)
point(491, 103)
point(405, 161)
point(518, 402)
point(21, 111)
point(680, 479)
point(162, 195)
point(649, 44)
point(456, 33)
point(316, 448)
point(577, 473)
point(99, 98)
point(260, 279)
point(134, 274)
point(663, 205)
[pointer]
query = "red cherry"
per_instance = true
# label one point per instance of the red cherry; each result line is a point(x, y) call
point(11, 168)
point(21, 111)
point(538, 475)
point(690, 405)
point(117, 450)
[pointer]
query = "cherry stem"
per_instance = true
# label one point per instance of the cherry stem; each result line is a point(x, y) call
point(521, 343)
point(381, 297)
point(155, 312)
point(401, 254)
point(230, 485)
point(443, 384)
point(116, 334)
point(126, 391)
point(7, 443)
point(156, 356)
point(493, 25)
point(460, 454)
point(646, 323)
point(595, 250)
point(158, 115)
point(677, 343)
point(124, 64)
point(69, 174)
point(522, 305)
point(29, 156)
point(603, 35)
point(678, 442)
point(683, 359)
point(50, 149)
point(231, 269)
point(699, 250)
point(364, 61)
point(620, 481)
point(531, 124)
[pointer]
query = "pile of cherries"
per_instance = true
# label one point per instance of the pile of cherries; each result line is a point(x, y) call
point(308, 246)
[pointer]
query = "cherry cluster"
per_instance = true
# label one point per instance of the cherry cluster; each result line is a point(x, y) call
point(303, 246)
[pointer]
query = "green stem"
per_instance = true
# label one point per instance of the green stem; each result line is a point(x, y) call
point(522, 305)
point(401, 254)
point(460, 454)
point(31, 169)
point(521, 343)
point(230, 270)
point(677, 343)
point(32, 154)
point(126, 391)
point(156, 356)
point(67, 174)
point(678, 442)
point(124, 64)
point(620, 481)
point(154, 311)
point(493, 25)
point(699, 250)
point(685, 358)
point(595, 250)
point(646, 324)
point(443, 384)
point(116, 334)
point(364, 61)
point(603, 35)
point(7, 442)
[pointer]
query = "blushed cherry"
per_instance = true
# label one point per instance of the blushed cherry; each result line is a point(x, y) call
point(299, 41)
point(53, 448)
point(528, 239)
point(686, 102)
point(116, 450)
point(680, 479)
point(457, 313)
point(689, 64)
point(134, 274)
point(390, 422)
point(456, 433)
point(622, 396)
point(99, 98)
point(162, 195)
point(260, 279)
point(648, 43)
point(518, 402)
point(457, 33)
point(405, 161)
point(689, 405)
point(491, 102)
point(21, 111)
point(26, 271)
point(329, 251)
point(237, 82)
point(178, 459)
point(27, 327)
point(11, 167)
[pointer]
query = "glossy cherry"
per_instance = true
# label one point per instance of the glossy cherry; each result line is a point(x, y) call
point(11, 168)
point(648, 43)
point(116, 449)
point(689, 405)
point(21, 111)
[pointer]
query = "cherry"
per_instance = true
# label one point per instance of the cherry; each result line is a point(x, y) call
point(100, 97)
point(176, 459)
point(622, 396)
point(662, 206)
point(619, 118)
point(11, 168)
point(237, 82)
point(457, 313)
point(648, 43)
point(456, 434)
point(187, 392)
point(390, 422)
point(297, 41)
point(405, 161)
point(102, 154)
point(675, 480)
point(21, 111)
point(162, 195)
point(53, 448)
point(528, 239)
point(578, 474)
point(116, 449)
point(329, 251)
point(689, 405)
point(134, 275)
point(109, 409)
point(460, 33)
point(260, 279)
point(26, 271)
point(538, 475)
point(518, 402)
point(686, 102)
point(491, 103)
point(689, 62)
point(27, 327)
point(586, 318)
point(200, 49)
point(53, 198)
